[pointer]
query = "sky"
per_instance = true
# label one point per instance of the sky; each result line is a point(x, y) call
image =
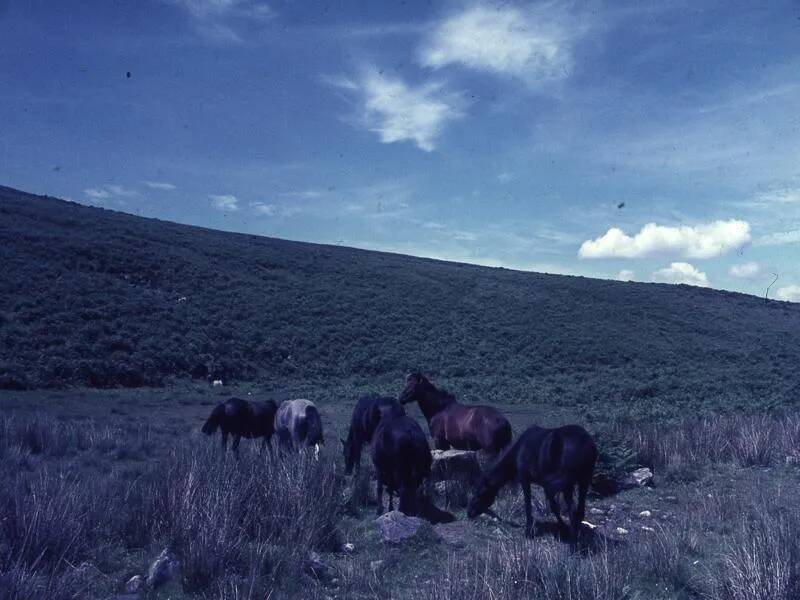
point(635, 141)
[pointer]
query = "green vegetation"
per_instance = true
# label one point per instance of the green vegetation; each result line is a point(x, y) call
point(91, 297)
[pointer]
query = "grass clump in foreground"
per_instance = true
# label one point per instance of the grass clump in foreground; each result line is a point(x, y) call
point(80, 517)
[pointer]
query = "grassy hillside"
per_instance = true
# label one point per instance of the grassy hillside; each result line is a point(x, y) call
point(92, 297)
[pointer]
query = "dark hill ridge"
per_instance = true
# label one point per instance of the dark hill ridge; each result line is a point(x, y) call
point(100, 298)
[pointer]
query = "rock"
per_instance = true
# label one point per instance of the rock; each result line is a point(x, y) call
point(645, 514)
point(453, 534)
point(639, 478)
point(376, 565)
point(395, 527)
point(163, 569)
point(646, 528)
point(134, 584)
point(348, 548)
point(589, 526)
point(793, 460)
point(596, 511)
point(455, 464)
point(316, 568)
point(621, 531)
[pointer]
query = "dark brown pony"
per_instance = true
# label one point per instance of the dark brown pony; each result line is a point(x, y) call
point(557, 459)
point(366, 416)
point(402, 460)
point(454, 425)
point(242, 418)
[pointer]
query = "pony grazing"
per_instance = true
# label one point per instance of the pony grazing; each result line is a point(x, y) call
point(454, 425)
point(298, 424)
point(242, 418)
point(402, 460)
point(366, 416)
point(557, 459)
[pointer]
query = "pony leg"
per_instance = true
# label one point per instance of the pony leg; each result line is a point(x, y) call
point(379, 495)
point(224, 442)
point(580, 511)
point(391, 504)
point(555, 508)
point(235, 445)
point(568, 504)
point(526, 492)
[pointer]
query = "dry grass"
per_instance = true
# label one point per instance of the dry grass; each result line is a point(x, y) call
point(244, 530)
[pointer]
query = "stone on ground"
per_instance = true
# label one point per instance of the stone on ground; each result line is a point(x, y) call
point(455, 464)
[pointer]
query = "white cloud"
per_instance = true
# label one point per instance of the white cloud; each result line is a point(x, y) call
point(263, 209)
point(701, 241)
point(118, 190)
point(778, 196)
point(400, 112)
point(304, 194)
point(626, 275)
point(160, 185)
point(779, 238)
point(503, 39)
point(224, 202)
point(220, 19)
point(789, 293)
point(681, 272)
point(433, 225)
point(97, 193)
point(505, 177)
point(745, 270)
point(102, 193)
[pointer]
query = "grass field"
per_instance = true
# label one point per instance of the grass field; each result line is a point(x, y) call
point(96, 482)
point(111, 326)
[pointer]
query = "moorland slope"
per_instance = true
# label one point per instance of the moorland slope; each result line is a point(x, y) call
point(93, 297)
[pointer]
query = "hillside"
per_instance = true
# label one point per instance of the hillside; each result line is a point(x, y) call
point(92, 297)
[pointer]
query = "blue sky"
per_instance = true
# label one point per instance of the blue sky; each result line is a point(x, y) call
point(648, 141)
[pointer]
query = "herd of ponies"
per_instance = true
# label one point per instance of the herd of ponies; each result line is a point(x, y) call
point(559, 460)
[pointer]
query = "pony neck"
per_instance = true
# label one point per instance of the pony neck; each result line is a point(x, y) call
point(433, 402)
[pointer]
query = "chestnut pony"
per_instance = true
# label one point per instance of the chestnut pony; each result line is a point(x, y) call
point(454, 425)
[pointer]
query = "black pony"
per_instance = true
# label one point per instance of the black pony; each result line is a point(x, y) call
point(242, 418)
point(556, 459)
point(402, 460)
point(366, 416)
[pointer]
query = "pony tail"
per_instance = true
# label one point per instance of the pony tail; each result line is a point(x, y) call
point(314, 424)
point(212, 423)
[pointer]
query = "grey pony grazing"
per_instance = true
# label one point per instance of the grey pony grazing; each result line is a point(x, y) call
point(559, 460)
point(298, 424)
point(242, 418)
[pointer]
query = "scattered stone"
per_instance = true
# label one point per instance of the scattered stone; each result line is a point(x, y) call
point(376, 565)
point(395, 527)
point(671, 499)
point(589, 526)
point(621, 531)
point(163, 569)
point(793, 460)
point(596, 511)
point(316, 568)
point(134, 584)
point(216, 383)
point(640, 478)
point(453, 534)
point(646, 528)
point(349, 548)
point(645, 514)
point(455, 464)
